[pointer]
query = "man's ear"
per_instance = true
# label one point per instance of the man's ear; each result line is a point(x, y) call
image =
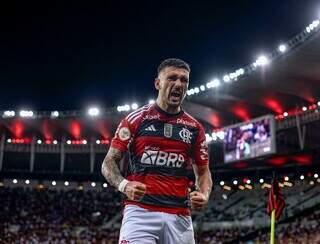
point(157, 83)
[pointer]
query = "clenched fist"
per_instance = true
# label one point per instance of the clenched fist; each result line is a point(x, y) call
point(135, 190)
point(198, 200)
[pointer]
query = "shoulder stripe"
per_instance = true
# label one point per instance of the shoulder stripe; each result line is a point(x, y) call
point(133, 116)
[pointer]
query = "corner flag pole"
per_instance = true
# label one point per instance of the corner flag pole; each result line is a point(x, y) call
point(273, 223)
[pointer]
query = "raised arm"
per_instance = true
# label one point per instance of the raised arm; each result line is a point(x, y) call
point(200, 197)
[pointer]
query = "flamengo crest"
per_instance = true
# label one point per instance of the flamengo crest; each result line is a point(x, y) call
point(185, 135)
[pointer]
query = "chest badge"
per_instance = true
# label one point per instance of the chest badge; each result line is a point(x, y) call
point(167, 130)
point(185, 135)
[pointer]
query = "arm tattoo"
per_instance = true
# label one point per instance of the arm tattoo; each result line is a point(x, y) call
point(110, 167)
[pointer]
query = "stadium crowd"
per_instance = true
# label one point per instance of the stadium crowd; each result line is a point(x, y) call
point(30, 215)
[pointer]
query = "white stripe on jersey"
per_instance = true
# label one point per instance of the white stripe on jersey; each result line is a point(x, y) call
point(136, 114)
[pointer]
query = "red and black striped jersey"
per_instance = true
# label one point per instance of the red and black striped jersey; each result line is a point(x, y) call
point(162, 148)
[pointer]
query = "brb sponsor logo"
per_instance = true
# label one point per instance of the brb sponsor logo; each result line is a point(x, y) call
point(161, 158)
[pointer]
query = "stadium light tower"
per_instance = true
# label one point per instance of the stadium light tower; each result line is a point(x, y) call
point(262, 60)
point(26, 113)
point(282, 48)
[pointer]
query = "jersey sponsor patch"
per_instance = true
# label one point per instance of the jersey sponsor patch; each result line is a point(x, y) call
point(167, 131)
point(124, 133)
point(161, 158)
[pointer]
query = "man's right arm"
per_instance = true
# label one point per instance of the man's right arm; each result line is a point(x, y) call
point(110, 170)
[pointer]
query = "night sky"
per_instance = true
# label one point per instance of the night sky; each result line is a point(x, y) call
point(69, 56)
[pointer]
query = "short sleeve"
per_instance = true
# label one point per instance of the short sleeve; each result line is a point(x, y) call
point(201, 149)
point(122, 136)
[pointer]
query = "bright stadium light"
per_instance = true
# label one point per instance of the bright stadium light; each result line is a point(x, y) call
point(282, 48)
point(119, 108)
point(151, 101)
point(301, 177)
point(134, 106)
point(126, 107)
point(286, 178)
point(226, 78)
point(248, 181)
point(39, 141)
point(202, 87)
point(304, 108)
point(93, 184)
point(262, 60)
point(261, 180)
point(9, 140)
point(94, 111)
point(84, 142)
point(235, 182)
point(26, 113)
point(15, 181)
point(196, 90)
point(215, 82)
point(318, 103)
point(98, 142)
point(68, 142)
point(8, 114)
point(66, 183)
point(220, 135)
point(285, 114)
point(222, 183)
point(53, 183)
point(316, 175)
point(27, 182)
point(55, 142)
point(105, 185)
point(54, 114)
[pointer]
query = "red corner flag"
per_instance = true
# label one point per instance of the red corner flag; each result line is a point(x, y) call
point(276, 199)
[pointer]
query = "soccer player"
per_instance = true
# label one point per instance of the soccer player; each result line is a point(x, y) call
point(163, 142)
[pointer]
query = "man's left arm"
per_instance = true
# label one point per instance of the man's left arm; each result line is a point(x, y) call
point(200, 197)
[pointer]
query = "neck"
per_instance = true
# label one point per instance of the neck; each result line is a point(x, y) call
point(167, 108)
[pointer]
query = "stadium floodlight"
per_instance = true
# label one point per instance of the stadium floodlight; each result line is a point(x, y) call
point(261, 181)
point(215, 82)
point(9, 140)
point(39, 141)
point(54, 114)
point(262, 60)
point(208, 138)
point(8, 114)
point(66, 183)
point(222, 183)
point(53, 183)
point(94, 111)
point(126, 107)
point(27, 182)
point(105, 185)
point(98, 142)
point(15, 181)
point(68, 142)
point(286, 178)
point(316, 175)
point(196, 90)
point(282, 48)
point(301, 177)
point(248, 181)
point(55, 142)
point(226, 78)
point(220, 134)
point(214, 136)
point(151, 101)
point(202, 87)
point(119, 108)
point(304, 108)
point(235, 182)
point(285, 114)
point(26, 113)
point(134, 106)
point(93, 184)
point(84, 142)
point(318, 103)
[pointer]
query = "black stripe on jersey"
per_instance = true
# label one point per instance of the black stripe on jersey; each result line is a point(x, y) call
point(139, 168)
point(165, 201)
point(156, 128)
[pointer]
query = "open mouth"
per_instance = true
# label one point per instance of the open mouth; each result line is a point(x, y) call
point(175, 96)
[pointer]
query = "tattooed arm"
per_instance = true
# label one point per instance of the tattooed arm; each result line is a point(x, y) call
point(110, 167)
point(110, 170)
